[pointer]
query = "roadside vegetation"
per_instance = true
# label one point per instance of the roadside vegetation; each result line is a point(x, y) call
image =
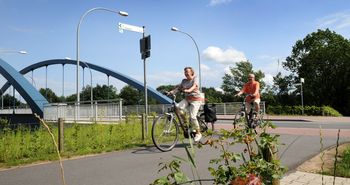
point(343, 166)
point(256, 163)
point(25, 145)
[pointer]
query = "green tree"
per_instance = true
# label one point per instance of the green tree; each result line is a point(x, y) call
point(283, 88)
point(10, 100)
point(100, 92)
point(238, 76)
point(212, 95)
point(131, 96)
point(50, 96)
point(269, 96)
point(322, 58)
point(167, 88)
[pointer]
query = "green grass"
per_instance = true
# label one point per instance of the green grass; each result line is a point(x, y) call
point(23, 146)
point(343, 166)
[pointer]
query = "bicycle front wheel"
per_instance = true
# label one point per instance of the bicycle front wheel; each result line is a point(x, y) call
point(239, 119)
point(165, 132)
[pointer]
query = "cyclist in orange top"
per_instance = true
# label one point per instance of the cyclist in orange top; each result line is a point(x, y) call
point(252, 88)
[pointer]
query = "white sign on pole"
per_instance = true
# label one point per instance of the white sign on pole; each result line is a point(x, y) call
point(129, 27)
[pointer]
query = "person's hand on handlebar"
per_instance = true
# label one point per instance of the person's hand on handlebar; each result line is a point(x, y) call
point(238, 94)
point(168, 93)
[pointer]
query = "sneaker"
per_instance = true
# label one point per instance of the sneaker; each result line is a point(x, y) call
point(198, 137)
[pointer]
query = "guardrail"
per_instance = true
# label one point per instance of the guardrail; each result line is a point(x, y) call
point(111, 112)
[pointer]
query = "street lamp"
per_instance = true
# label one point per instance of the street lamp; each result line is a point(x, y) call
point(91, 90)
point(13, 51)
point(122, 13)
point(2, 93)
point(199, 58)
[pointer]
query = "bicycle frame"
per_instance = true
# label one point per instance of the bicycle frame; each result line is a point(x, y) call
point(248, 115)
point(176, 110)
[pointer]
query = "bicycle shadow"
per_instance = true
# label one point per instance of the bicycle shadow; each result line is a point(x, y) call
point(153, 149)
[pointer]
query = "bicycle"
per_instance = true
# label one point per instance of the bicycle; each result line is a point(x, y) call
point(165, 129)
point(250, 119)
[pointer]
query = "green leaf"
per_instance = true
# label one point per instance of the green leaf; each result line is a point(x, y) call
point(180, 177)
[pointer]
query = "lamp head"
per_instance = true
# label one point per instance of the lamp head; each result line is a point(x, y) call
point(125, 14)
point(174, 29)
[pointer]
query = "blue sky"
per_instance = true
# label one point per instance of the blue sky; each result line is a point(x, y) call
point(226, 31)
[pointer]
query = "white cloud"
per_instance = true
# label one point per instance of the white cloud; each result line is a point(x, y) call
point(218, 2)
point(164, 78)
point(20, 29)
point(338, 20)
point(228, 56)
point(268, 79)
point(205, 67)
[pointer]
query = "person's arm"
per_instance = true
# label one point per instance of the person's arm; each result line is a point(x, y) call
point(191, 89)
point(241, 91)
point(175, 90)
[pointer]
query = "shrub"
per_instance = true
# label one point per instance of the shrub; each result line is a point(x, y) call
point(308, 110)
point(257, 163)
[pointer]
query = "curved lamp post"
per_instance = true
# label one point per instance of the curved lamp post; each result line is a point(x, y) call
point(199, 58)
point(78, 28)
point(91, 93)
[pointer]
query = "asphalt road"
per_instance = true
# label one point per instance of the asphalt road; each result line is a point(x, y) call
point(140, 166)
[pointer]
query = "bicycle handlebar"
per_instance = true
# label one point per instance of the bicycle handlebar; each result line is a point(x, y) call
point(167, 93)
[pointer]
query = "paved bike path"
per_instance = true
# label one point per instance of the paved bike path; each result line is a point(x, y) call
point(140, 166)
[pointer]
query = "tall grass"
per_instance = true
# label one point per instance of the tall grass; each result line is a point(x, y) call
point(23, 145)
point(343, 166)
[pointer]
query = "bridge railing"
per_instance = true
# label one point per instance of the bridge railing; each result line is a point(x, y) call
point(114, 111)
point(227, 108)
point(84, 112)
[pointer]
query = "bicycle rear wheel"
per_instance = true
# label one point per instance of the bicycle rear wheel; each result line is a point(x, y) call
point(165, 132)
point(239, 119)
point(202, 124)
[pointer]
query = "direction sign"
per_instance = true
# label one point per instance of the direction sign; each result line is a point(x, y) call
point(129, 27)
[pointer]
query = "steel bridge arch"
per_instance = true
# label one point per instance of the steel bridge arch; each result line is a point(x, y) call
point(138, 85)
point(34, 99)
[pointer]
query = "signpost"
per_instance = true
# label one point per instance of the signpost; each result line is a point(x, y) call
point(145, 47)
point(301, 94)
point(129, 27)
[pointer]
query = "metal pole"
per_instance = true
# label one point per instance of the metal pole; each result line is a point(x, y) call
point(120, 109)
point(60, 134)
point(14, 100)
point(62, 80)
point(83, 82)
point(199, 60)
point(145, 85)
point(91, 90)
point(2, 100)
point(77, 41)
point(302, 98)
point(46, 82)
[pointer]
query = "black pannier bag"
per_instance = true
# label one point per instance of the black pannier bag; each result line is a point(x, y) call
point(209, 113)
